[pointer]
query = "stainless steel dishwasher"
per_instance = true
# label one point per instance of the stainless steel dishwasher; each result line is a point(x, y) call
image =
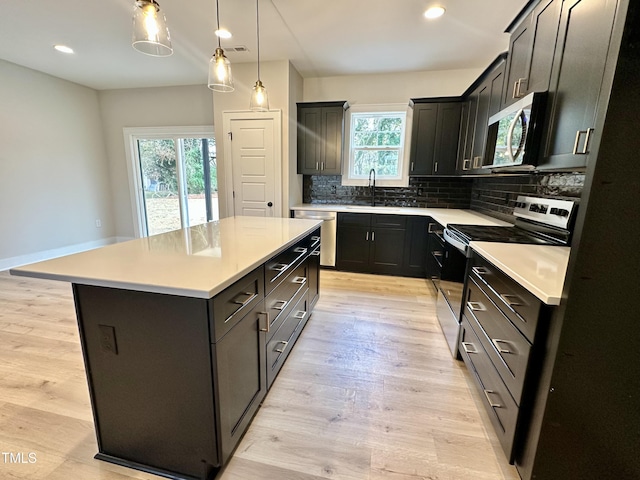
point(327, 234)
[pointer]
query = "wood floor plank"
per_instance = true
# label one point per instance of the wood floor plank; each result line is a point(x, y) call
point(370, 392)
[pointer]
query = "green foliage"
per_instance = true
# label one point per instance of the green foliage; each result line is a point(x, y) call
point(373, 136)
point(158, 162)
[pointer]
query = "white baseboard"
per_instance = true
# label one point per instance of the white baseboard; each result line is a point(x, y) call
point(11, 262)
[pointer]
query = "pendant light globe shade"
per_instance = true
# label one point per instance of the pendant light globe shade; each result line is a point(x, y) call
point(259, 98)
point(220, 78)
point(150, 32)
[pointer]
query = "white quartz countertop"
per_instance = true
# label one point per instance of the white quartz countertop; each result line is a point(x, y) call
point(200, 261)
point(443, 216)
point(538, 268)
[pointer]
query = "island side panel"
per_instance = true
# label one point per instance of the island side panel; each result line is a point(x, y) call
point(148, 359)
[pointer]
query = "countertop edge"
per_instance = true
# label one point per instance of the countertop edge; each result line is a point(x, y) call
point(23, 271)
point(435, 213)
point(545, 297)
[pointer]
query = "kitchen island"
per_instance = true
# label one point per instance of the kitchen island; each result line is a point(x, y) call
point(182, 334)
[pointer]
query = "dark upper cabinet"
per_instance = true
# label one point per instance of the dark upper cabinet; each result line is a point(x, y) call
point(434, 138)
point(467, 133)
point(531, 49)
point(579, 65)
point(320, 137)
point(483, 101)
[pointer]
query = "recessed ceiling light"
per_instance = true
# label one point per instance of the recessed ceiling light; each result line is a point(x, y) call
point(63, 48)
point(434, 12)
point(222, 33)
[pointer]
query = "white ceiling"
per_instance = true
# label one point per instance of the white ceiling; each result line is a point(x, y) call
point(320, 37)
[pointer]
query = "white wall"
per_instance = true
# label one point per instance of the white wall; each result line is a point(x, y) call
point(275, 77)
point(54, 180)
point(145, 107)
point(389, 88)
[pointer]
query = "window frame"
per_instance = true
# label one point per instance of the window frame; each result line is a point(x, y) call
point(403, 151)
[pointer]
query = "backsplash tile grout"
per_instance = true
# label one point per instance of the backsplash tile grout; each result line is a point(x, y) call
point(494, 196)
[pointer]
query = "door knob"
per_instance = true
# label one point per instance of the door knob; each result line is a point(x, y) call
point(270, 204)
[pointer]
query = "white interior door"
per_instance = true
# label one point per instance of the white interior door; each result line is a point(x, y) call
point(253, 142)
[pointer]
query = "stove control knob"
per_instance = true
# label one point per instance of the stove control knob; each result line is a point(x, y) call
point(563, 213)
point(533, 208)
point(554, 211)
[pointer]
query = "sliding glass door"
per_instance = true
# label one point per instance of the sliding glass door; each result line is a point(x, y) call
point(177, 183)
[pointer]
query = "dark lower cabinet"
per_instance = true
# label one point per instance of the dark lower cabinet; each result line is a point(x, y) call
point(435, 252)
point(384, 244)
point(240, 378)
point(175, 381)
point(502, 342)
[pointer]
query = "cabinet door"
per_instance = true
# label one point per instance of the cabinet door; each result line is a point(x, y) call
point(314, 276)
point(352, 248)
point(309, 139)
point(483, 96)
point(543, 35)
point(240, 368)
point(468, 129)
point(496, 81)
point(517, 61)
point(415, 247)
point(447, 138)
point(423, 138)
point(387, 250)
point(332, 133)
point(581, 54)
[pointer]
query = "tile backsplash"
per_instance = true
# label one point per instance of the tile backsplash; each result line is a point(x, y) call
point(433, 192)
point(493, 196)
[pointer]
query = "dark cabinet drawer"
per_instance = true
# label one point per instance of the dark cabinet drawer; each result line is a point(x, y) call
point(355, 219)
point(277, 269)
point(282, 341)
point(506, 346)
point(280, 302)
point(517, 303)
point(230, 306)
point(502, 409)
point(389, 221)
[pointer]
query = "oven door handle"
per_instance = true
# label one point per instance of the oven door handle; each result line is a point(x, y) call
point(452, 240)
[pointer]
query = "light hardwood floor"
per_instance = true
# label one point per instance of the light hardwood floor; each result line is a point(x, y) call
point(370, 392)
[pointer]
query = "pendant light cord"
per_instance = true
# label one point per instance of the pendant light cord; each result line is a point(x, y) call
point(218, 21)
point(258, 35)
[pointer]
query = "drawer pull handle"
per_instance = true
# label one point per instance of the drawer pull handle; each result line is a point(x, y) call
point(282, 306)
point(280, 267)
point(467, 347)
point(496, 342)
point(284, 347)
point(315, 253)
point(315, 239)
point(246, 301)
point(466, 164)
point(268, 327)
point(480, 271)
point(300, 250)
point(299, 280)
point(437, 253)
point(300, 315)
point(511, 303)
point(476, 307)
point(491, 404)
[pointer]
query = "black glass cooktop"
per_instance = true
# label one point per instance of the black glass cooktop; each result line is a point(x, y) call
point(486, 233)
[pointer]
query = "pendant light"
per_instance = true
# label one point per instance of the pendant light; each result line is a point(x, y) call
point(150, 32)
point(259, 98)
point(220, 79)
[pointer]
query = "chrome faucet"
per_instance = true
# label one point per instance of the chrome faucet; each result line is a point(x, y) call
point(372, 186)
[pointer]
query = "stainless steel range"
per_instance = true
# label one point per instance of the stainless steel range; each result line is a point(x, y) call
point(541, 221)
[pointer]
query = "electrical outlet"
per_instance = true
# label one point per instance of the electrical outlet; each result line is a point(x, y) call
point(98, 223)
point(108, 339)
point(334, 189)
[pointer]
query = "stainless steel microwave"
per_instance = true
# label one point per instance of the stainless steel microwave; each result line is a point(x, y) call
point(515, 133)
